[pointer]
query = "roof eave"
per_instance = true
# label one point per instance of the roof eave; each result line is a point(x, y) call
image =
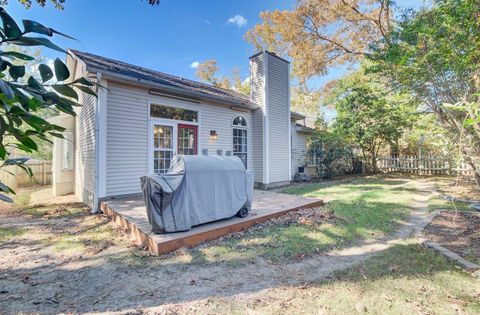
point(172, 89)
point(302, 129)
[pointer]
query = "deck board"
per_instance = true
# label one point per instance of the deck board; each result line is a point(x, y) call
point(130, 214)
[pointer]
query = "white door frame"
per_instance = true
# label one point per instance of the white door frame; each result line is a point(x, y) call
point(151, 149)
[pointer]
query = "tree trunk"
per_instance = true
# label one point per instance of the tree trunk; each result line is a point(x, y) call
point(374, 161)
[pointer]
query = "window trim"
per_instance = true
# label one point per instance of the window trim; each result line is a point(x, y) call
point(242, 128)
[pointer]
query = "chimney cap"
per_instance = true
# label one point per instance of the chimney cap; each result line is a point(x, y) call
point(270, 53)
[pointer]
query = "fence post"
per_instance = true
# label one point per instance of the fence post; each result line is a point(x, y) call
point(44, 172)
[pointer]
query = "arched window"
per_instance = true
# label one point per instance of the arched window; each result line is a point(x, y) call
point(240, 136)
point(239, 121)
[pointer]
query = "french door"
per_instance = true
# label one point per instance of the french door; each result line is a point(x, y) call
point(169, 139)
point(187, 139)
point(163, 147)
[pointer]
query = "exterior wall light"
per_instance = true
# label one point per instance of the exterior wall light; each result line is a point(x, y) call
point(213, 134)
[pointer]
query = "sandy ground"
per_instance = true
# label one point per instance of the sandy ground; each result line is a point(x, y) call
point(34, 278)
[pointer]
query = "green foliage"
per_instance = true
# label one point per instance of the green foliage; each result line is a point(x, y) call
point(23, 97)
point(427, 137)
point(434, 55)
point(331, 153)
point(369, 116)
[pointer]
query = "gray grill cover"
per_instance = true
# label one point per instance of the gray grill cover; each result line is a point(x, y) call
point(196, 189)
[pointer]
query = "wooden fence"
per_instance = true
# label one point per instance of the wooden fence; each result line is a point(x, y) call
point(423, 165)
point(42, 174)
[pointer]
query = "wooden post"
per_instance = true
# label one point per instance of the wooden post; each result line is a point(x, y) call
point(44, 177)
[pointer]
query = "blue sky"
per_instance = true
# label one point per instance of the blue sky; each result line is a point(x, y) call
point(169, 37)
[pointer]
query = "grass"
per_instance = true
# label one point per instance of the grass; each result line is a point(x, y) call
point(70, 229)
point(368, 208)
point(405, 279)
point(7, 234)
point(439, 203)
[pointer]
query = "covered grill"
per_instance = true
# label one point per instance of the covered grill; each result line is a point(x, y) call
point(195, 190)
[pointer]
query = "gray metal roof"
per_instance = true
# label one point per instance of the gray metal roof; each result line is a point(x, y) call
point(109, 66)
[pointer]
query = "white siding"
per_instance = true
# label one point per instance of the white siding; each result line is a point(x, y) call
point(84, 139)
point(278, 86)
point(128, 130)
point(257, 96)
point(299, 148)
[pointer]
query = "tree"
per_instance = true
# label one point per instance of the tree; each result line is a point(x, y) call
point(305, 100)
point(368, 115)
point(207, 72)
point(318, 34)
point(23, 96)
point(59, 4)
point(434, 55)
point(332, 154)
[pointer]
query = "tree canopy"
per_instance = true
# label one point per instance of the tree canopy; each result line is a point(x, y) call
point(368, 115)
point(319, 34)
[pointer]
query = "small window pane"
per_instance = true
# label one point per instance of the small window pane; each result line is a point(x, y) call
point(160, 111)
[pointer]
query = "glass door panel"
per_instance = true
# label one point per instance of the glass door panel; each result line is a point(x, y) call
point(187, 139)
point(163, 148)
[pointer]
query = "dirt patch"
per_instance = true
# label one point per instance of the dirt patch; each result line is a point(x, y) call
point(462, 189)
point(81, 263)
point(457, 231)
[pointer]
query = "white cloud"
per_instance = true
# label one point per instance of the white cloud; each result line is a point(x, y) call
point(207, 22)
point(237, 20)
point(194, 64)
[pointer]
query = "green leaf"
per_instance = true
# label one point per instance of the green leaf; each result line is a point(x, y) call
point(15, 161)
point(37, 41)
point(16, 72)
point(61, 70)
point(469, 122)
point(62, 104)
point(65, 90)
point(5, 188)
point(5, 198)
point(10, 28)
point(33, 83)
point(28, 142)
point(58, 135)
point(45, 72)
point(84, 81)
point(86, 90)
point(3, 152)
point(35, 27)
point(17, 55)
point(6, 89)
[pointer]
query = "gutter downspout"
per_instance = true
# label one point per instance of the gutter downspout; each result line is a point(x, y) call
point(96, 205)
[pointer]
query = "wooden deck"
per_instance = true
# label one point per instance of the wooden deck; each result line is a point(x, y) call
point(130, 213)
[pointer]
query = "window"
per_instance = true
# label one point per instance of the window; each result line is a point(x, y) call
point(240, 121)
point(160, 111)
point(162, 148)
point(240, 136)
point(67, 161)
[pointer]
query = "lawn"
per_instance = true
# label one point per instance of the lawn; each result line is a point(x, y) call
point(363, 209)
point(405, 279)
point(53, 250)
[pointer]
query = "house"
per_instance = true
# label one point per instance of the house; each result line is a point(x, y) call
point(142, 118)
